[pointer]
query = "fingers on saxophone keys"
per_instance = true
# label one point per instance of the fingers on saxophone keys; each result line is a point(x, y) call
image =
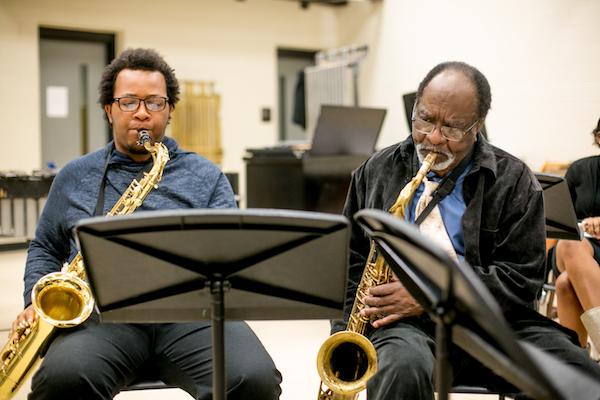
point(372, 301)
point(23, 326)
point(370, 311)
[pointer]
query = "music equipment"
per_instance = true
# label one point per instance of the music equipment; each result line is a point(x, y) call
point(196, 125)
point(347, 359)
point(333, 80)
point(64, 299)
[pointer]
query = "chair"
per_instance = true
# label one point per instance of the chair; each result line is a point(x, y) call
point(147, 379)
point(557, 168)
point(546, 302)
point(465, 389)
point(142, 384)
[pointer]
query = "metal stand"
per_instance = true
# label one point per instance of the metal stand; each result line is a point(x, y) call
point(218, 339)
point(468, 316)
point(175, 266)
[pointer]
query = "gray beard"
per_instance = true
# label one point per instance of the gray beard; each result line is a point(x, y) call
point(423, 150)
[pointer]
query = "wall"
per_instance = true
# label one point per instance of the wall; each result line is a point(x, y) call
point(233, 43)
point(541, 58)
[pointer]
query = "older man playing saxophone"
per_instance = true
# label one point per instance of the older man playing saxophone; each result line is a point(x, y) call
point(493, 218)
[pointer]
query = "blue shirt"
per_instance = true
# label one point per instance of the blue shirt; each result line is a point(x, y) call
point(188, 181)
point(452, 207)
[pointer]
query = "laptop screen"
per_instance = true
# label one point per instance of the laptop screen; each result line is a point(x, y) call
point(346, 131)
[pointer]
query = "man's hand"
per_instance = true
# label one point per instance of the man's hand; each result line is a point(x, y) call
point(390, 299)
point(27, 314)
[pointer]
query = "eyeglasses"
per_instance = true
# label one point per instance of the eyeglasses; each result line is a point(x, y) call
point(425, 127)
point(131, 104)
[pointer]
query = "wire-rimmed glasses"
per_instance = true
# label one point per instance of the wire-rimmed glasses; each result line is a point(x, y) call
point(449, 133)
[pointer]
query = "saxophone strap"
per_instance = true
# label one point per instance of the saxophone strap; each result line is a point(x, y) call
point(446, 185)
point(100, 202)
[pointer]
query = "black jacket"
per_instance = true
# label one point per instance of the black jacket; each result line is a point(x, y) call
point(582, 178)
point(503, 225)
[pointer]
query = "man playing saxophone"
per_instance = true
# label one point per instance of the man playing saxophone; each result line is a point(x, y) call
point(493, 218)
point(138, 92)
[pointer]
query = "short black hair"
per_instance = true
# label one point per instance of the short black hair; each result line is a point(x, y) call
point(484, 93)
point(139, 60)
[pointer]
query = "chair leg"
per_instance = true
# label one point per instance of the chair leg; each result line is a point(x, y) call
point(550, 309)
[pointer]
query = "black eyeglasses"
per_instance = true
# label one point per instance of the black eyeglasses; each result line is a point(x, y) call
point(426, 127)
point(131, 104)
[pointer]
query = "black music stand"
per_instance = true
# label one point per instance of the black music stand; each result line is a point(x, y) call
point(466, 314)
point(175, 266)
point(561, 220)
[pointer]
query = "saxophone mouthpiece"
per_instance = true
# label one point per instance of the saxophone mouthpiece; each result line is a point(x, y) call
point(143, 137)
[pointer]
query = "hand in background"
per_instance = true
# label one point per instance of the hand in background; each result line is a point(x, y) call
point(591, 226)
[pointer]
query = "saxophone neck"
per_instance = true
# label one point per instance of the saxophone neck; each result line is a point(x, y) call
point(160, 156)
point(145, 141)
point(152, 148)
point(398, 209)
point(137, 191)
point(426, 165)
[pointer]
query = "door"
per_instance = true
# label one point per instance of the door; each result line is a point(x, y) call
point(73, 122)
point(290, 63)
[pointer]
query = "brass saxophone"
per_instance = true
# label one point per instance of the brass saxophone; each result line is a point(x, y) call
point(347, 359)
point(64, 299)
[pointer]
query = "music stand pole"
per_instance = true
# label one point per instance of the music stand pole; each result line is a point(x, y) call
point(217, 289)
point(443, 374)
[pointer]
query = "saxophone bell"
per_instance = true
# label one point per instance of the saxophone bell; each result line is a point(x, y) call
point(346, 361)
point(62, 300)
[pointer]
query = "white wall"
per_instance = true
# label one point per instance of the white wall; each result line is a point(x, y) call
point(233, 43)
point(541, 57)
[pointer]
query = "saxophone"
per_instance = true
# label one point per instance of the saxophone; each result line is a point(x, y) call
point(64, 299)
point(347, 359)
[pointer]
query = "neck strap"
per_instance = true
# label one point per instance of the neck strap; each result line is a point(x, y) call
point(100, 201)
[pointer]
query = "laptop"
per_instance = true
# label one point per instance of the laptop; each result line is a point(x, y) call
point(344, 130)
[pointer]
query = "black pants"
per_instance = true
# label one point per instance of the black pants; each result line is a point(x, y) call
point(96, 361)
point(406, 357)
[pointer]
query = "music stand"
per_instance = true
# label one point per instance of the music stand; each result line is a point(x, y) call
point(561, 220)
point(466, 314)
point(177, 265)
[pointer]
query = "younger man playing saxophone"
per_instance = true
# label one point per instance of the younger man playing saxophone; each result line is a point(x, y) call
point(138, 91)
